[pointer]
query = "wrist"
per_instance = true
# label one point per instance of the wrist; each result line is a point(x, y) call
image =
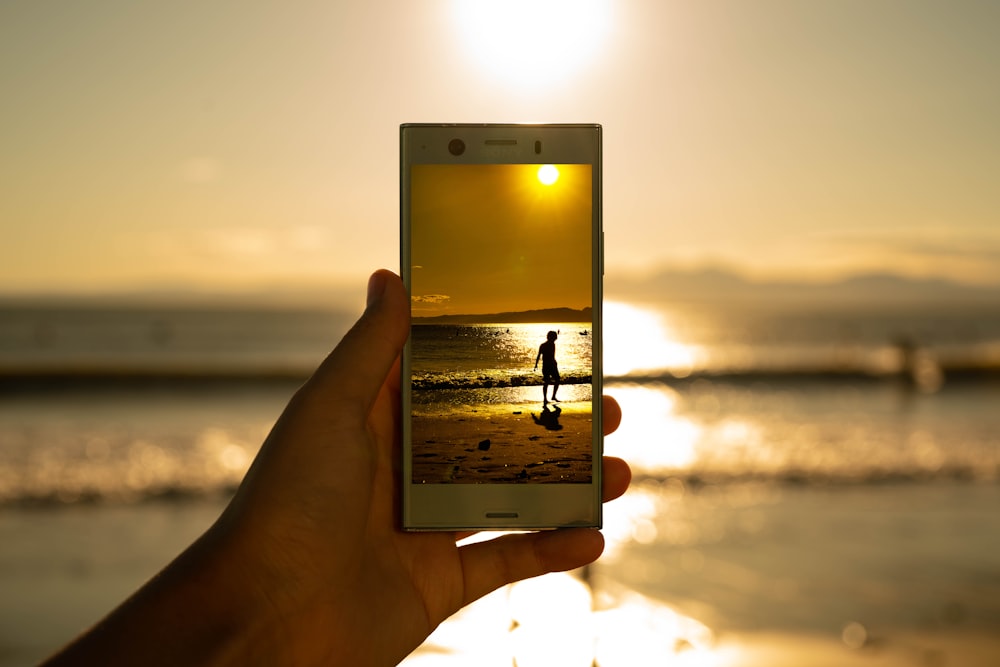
point(194, 612)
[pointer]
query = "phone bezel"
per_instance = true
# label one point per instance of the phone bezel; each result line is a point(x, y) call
point(504, 506)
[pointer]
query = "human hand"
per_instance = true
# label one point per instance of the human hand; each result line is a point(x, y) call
point(320, 505)
point(307, 565)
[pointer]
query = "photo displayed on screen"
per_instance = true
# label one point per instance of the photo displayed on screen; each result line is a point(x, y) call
point(501, 346)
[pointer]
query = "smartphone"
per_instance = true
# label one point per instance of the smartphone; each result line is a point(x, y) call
point(501, 252)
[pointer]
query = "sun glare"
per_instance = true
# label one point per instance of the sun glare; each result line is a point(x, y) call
point(548, 174)
point(533, 42)
point(655, 438)
point(638, 340)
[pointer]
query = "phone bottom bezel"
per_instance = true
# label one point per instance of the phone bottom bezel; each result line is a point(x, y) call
point(501, 506)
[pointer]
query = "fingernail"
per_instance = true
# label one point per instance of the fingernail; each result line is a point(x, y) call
point(376, 285)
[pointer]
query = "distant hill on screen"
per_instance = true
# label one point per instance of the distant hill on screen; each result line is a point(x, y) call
point(523, 317)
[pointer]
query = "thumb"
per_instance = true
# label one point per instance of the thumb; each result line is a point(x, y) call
point(489, 565)
point(358, 366)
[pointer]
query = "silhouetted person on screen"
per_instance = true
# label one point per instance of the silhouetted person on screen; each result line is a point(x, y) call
point(550, 369)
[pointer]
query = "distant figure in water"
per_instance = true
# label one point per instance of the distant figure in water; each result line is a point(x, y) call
point(550, 369)
point(917, 368)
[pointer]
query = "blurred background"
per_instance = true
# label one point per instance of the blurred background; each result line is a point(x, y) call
point(802, 300)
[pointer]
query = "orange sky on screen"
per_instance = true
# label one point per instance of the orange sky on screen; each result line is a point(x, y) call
point(492, 238)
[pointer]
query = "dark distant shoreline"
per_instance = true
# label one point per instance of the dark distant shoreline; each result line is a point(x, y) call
point(118, 378)
point(95, 378)
point(540, 316)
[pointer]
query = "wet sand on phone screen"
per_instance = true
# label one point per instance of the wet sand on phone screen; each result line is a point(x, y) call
point(515, 445)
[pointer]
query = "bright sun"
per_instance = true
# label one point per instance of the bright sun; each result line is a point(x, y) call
point(533, 42)
point(548, 174)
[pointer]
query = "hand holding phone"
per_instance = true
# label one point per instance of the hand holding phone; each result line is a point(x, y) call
point(313, 532)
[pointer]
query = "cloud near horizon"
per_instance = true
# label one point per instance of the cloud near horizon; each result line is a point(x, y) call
point(971, 258)
point(430, 298)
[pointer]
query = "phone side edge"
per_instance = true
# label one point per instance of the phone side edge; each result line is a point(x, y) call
point(404, 467)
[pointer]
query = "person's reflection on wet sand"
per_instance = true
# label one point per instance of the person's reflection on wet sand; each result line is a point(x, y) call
point(549, 418)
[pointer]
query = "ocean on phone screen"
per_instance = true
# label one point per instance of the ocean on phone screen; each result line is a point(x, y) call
point(480, 412)
point(455, 367)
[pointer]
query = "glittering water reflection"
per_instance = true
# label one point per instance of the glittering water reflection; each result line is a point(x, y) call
point(653, 437)
point(555, 620)
point(640, 340)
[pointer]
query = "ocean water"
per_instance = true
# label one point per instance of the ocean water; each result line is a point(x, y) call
point(808, 481)
point(94, 341)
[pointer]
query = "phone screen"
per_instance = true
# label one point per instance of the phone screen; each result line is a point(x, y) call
point(500, 364)
point(502, 345)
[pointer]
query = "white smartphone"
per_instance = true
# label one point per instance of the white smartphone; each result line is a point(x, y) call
point(501, 251)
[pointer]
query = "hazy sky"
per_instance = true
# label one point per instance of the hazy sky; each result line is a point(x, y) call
point(496, 238)
point(244, 145)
